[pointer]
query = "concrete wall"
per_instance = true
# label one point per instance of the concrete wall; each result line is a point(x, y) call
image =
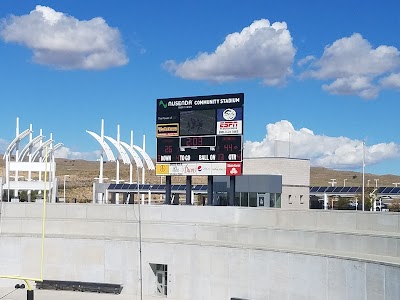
point(211, 252)
point(295, 177)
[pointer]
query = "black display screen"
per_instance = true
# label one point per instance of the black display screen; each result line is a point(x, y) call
point(227, 148)
point(197, 122)
point(198, 141)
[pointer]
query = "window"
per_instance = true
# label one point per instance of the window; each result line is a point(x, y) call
point(278, 200)
point(290, 199)
point(236, 201)
point(301, 199)
point(272, 200)
point(252, 199)
point(161, 276)
point(244, 199)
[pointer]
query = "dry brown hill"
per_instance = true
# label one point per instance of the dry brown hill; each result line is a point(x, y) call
point(81, 175)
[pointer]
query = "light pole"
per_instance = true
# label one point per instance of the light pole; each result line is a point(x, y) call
point(332, 182)
point(363, 175)
point(376, 182)
point(65, 176)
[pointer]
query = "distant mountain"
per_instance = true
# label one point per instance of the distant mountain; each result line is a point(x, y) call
point(323, 176)
point(80, 174)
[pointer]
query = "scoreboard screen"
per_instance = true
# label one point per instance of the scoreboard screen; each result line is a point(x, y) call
point(189, 149)
point(200, 129)
point(197, 122)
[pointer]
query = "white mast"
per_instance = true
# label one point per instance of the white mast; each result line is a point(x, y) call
point(102, 152)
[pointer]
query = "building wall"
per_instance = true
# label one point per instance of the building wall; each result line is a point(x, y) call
point(295, 177)
point(211, 252)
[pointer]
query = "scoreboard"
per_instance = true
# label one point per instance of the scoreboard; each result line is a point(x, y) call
point(200, 135)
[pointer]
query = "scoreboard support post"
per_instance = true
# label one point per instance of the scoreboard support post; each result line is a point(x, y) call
point(231, 193)
point(167, 190)
point(210, 191)
point(188, 190)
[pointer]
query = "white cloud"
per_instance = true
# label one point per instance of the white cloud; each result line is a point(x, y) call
point(67, 153)
point(361, 86)
point(260, 50)
point(324, 151)
point(65, 42)
point(392, 81)
point(306, 60)
point(354, 66)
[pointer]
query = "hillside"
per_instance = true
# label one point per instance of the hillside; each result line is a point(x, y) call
point(81, 175)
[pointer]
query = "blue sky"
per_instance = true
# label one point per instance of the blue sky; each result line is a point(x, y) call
point(325, 75)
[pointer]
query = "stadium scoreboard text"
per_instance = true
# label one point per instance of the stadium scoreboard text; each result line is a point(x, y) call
point(200, 135)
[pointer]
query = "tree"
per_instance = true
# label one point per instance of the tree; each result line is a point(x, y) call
point(369, 196)
point(343, 203)
point(395, 206)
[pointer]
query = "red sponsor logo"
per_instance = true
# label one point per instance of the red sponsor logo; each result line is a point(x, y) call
point(229, 124)
point(233, 169)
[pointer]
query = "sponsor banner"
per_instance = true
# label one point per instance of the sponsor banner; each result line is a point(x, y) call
point(189, 169)
point(162, 169)
point(211, 168)
point(230, 114)
point(168, 130)
point(218, 169)
point(229, 127)
point(234, 169)
point(175, 169)
point(204, 168)
point(193, 169)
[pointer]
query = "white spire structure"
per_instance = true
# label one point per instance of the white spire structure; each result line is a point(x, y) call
point(18, 163)
point(129, 154)
point(134, 156)
point(122, 154)
point(105, 149)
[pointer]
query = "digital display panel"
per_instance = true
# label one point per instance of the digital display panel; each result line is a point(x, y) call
point(229, 148)
point(197, 122)
point(198, 141)
point(200, 129)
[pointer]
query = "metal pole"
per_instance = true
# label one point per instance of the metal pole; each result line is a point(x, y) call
point(140, 238)
point(363, 175)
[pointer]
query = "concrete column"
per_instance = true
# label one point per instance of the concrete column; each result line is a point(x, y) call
point(167, 190)
point(210, 191)
point(188, 190)
point(231, 192)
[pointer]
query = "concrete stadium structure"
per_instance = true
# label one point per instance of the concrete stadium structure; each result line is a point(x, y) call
point(207, 252)
point(295, 177)
point(282, 181)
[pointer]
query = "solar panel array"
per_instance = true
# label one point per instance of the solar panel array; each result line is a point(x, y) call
point(133, 187)
point(352, 190)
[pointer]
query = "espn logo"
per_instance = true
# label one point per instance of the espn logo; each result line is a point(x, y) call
point(228, 125)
